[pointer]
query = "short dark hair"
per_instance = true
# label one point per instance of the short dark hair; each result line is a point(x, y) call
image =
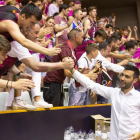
point(103, 45)
point(117, 34)
point(101, 32)
point(53, 1)
point(125, 28)
point(4, 44)
point(91, 8)
point(31, 10)
point(72, 34)
point(84, 10)
point(91, 47)
point(55, 14)
point(113, 38)
point(130, 45)
point(134, 69)
point(24, 2)
point(76, 11)
point(49, 18)
point(109, 25)
point(63, 6)
point(116, 28)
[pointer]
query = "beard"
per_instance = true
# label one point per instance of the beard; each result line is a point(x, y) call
point(127, 85)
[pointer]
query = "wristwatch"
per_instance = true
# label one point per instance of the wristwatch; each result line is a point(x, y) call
point(19, 74)
point(51, 38)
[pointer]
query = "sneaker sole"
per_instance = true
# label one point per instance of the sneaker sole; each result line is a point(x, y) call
point(43, 107)
point(20, 108)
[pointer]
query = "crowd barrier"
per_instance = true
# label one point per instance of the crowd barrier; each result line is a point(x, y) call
point(48, 124)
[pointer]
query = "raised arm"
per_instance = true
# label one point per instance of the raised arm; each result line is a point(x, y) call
point(121, 56)
point(110, 66)
point(135, 31)
point(87, 83)
point(14, 31)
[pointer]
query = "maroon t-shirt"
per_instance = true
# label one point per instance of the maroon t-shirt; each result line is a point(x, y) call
point(58, 75)
point(61, 22)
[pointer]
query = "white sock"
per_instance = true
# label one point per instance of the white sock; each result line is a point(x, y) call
point(17, 99)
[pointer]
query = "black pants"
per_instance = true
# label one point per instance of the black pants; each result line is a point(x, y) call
point(53, 93)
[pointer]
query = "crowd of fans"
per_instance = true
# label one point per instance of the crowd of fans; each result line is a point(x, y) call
point(43, 42)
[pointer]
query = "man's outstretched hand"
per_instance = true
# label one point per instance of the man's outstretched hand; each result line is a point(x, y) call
point(54, 51)
point(25, 76)
point(68, 63)
point(23, 84)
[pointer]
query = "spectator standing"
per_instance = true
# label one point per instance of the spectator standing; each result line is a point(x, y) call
point(53, 8)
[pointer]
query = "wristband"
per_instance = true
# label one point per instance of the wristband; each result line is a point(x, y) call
point(19, 74)
point(51, 38)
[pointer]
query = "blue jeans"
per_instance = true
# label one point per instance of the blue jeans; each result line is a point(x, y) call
point(101, 100)
point(77, 97)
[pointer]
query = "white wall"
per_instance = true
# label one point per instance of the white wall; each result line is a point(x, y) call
point(124, 16)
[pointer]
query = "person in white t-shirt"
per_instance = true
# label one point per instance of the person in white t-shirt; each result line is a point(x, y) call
point(79, 95)
point(34, 67)
point(53, 8)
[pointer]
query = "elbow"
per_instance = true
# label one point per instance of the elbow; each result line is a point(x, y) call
point(36, 68)
point(56, 29)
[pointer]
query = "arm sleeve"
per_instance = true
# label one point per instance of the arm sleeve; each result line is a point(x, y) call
point(111, 66)
point(65, 52)
point(97, 88)
point(56, 20)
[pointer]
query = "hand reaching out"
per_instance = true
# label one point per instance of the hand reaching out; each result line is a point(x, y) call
point(135, 29)
point(124, 62)
point(126, 56)
point(92, 76)
point(54, 51)
point(97, 66)
point(136, 60)
point(85, 70)
point(68, 63)
point(129, 29)
point(25, 76)
point(23, 84)
point(114, 19)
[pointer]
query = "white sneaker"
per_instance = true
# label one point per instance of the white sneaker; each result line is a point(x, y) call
point(42, 104)
point(23, 105)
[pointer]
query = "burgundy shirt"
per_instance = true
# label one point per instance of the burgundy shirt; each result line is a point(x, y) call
point(58, 75)
point(61, 22)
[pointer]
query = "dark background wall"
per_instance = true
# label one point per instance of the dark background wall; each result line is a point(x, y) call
point(127, 11)
point(125, 16)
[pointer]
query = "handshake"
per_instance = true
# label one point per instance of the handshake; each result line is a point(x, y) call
point(68, 63)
